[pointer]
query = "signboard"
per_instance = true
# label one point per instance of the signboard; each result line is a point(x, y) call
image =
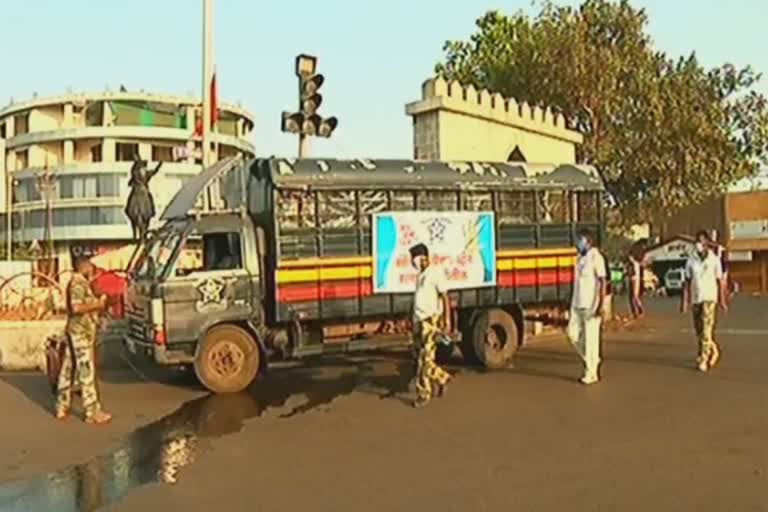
point(739, 255)
point(749, 229)
point(462, 243)
point(675, 249)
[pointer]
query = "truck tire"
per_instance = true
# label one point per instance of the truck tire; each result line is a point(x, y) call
point(227, 360)
point(494, 338)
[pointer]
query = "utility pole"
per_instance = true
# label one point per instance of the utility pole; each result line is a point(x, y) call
point(306, 122)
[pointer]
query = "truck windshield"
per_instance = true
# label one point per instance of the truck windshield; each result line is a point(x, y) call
point(156, 255)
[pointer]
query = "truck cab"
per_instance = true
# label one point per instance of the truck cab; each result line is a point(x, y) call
point(195, 297)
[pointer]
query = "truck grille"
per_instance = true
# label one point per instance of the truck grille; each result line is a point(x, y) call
point(137, 322)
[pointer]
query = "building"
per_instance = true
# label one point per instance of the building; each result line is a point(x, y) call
point(83, 145)
point(453, 122)
point(740, 218)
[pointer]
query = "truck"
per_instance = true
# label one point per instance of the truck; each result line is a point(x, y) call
point(272, 259)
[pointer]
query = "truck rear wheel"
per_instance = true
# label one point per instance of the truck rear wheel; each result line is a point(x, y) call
point(494, 338)
point(227, 360)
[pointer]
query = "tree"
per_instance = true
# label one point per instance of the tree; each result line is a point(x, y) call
point(663, 133)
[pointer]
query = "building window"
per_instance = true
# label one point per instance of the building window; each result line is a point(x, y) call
point(162, 154)
point(22, 124)
point(2, 131)
point(96, 155)
point(90, 186)
point(66, 187)
point(108, 185)
point(126, 152)
point(516, 156)
point(93, 216)
point(22, 159)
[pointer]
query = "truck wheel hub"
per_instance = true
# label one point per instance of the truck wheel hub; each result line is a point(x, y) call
point(226, 359)
point(493, 338)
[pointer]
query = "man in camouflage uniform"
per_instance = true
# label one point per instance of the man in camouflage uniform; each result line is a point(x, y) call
point(83, 310)
point(431, 316)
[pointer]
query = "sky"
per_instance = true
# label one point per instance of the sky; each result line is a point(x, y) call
point(374, 54)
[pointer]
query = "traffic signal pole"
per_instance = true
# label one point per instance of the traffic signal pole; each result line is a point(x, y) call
point(306, 122)
point(303, 145)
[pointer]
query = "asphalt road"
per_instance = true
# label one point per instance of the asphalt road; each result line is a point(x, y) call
point(339, 435)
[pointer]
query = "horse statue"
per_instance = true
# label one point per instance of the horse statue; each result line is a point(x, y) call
point(140, 207)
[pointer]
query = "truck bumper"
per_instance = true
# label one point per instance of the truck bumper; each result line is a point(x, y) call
point(159, 354)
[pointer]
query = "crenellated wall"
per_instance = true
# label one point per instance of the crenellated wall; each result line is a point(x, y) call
point(457, 122)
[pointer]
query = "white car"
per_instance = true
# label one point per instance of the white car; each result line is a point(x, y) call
point(673, 280)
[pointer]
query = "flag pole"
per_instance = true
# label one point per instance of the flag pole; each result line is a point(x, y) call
point(207, 77)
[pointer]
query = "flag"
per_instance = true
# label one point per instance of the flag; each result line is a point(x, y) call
point(214, 110)
point(214, 102)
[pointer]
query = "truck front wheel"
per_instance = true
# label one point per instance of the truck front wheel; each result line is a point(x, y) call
point(227, 360)
point(494, 338)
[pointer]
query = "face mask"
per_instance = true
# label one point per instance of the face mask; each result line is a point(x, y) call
point(581, 245)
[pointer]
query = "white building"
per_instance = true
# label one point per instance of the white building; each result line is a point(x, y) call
point(87, 142)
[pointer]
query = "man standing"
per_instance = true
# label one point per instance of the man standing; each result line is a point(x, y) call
point(589, 289)
point(83, 310)
point(704, 289)
point(635, 271)
point(431, 317)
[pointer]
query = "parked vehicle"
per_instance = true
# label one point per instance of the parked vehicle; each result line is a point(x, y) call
point(673, 281)
point(274, 258)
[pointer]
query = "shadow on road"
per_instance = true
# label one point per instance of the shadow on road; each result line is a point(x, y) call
point(158, 451)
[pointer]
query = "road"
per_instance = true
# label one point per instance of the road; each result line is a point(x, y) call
point(339, 435)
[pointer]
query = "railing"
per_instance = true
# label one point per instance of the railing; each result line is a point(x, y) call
point(19, 303)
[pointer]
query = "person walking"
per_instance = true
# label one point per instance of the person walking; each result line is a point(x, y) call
point(83, 310)
point(635, 275)
point(431, 318)
point(703, 290)
point(589, 291)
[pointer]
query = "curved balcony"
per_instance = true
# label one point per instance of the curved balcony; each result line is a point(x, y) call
point(122, 132)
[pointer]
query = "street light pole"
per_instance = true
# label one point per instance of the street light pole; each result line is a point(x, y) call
point(8, 215)
point(46, 183)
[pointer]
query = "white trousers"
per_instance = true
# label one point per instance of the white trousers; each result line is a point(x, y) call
point(584, 333)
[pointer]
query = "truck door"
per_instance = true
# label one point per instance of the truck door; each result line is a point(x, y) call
point(209, 283)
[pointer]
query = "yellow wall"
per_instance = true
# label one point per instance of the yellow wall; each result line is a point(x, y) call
point(470, 138)
point(454, 122)
point(46, 119)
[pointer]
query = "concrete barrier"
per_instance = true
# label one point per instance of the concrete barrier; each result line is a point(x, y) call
point(22, 343)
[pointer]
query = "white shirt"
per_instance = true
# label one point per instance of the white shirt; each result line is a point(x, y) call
point(590, 267)
point(704, 275)
point(430, 286)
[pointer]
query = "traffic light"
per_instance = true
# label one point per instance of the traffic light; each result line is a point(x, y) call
point(307, 122)
point(292, 122)
point(327, 126)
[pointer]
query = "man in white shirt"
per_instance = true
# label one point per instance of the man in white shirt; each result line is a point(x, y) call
point(589, 290)
point(704, 289)
point(431, 317)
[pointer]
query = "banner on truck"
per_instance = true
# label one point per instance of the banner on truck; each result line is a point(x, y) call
point(462, 243)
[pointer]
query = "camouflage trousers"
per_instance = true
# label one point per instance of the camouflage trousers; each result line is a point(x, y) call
point(704, 323)
point(80, 367)
point(428, 373)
